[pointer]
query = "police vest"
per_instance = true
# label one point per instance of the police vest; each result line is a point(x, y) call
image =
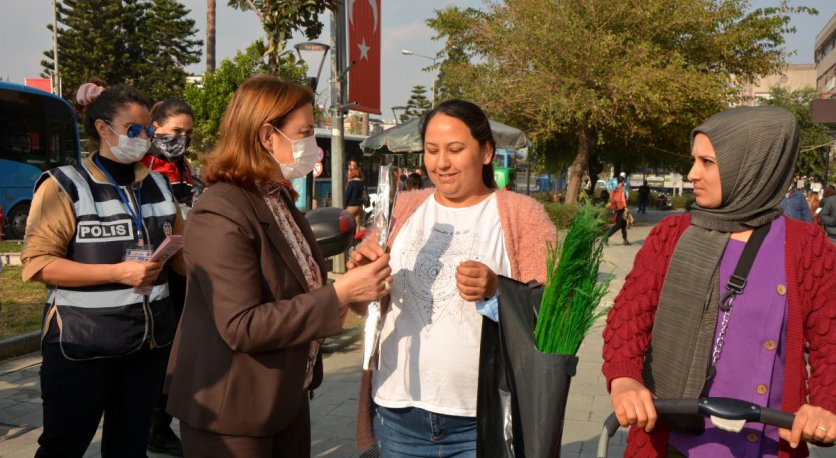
point(110, 320)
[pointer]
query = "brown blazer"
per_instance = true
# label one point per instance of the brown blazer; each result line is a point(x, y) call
point(238, 361)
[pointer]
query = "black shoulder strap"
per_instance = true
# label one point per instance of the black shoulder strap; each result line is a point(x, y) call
point(737, 281)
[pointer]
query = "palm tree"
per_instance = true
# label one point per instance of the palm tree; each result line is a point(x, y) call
point(210, 36)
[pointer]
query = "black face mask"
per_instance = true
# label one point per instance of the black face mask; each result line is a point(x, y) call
point(169, 146)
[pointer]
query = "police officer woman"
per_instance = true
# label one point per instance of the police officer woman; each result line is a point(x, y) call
point(89, 234)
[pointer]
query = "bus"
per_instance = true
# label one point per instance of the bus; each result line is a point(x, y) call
point(504, 170)
point(38, 131)
point(351, 151)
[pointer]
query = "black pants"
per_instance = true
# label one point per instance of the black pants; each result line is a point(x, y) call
point(76, 393)
point(620, 223)
point(642, 206)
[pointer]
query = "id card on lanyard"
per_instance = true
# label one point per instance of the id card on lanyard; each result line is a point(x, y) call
point(141, 251)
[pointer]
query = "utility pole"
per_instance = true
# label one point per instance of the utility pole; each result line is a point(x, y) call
point(56, 79)
point(337, 100)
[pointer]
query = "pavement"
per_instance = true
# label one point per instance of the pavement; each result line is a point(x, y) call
point(334, 407)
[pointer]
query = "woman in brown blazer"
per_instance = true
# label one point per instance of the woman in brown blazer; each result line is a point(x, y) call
point(257, 304)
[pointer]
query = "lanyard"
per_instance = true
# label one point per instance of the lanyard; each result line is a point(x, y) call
point(136, 216)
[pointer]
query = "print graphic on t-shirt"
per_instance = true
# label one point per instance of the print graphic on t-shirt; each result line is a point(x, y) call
point(430, 290)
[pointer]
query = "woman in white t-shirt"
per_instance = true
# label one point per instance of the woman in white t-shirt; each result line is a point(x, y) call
point(447, 248)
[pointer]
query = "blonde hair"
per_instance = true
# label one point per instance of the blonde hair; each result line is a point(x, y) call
point(239, 157)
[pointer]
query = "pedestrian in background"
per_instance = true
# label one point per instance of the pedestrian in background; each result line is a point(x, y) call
point(618, 207)
point(754, 345)
point(246, 354)
point(813, 205)
point(414, 182)
point(448, 246)
point(174, 124)
point(795, 205)
point(91, 227)
point(644, 197)
point(828, 212)
point(353, 196)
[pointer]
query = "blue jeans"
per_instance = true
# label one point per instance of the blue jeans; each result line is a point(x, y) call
point(414, 432)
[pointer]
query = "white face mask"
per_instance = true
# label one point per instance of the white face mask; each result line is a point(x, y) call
point(130, 150)
point(304, 157)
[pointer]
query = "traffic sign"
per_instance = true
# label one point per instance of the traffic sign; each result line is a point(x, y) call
point(317, 169)
point(319, 154)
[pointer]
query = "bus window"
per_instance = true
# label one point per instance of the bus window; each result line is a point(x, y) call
point(38, 131)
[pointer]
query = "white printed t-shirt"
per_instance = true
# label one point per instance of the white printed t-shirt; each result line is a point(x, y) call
point(429, 344)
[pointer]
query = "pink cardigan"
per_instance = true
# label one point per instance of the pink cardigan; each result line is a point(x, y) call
point(527, 229)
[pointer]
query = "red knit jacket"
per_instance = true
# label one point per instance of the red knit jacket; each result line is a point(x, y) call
point(811, 322)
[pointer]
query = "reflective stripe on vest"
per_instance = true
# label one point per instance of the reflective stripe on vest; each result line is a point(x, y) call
point(111, 320)
point(104, 299)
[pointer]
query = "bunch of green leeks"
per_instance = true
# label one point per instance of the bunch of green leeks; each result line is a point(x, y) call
point(573, 293)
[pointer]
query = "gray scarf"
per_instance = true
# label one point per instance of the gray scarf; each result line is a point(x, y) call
point(756, 149)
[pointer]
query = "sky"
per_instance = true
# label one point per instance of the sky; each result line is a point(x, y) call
point(23, 38)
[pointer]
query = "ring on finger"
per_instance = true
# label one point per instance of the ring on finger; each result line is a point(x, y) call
point(822, 428)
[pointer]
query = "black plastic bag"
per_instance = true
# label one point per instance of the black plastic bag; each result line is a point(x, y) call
point(522, 392)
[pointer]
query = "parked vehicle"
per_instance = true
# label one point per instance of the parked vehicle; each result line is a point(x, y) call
point(664, 202)
point(38, 131)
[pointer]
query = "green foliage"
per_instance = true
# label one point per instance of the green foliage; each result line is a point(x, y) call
point(167, 47)
point(280, 18)
point(418, 104)
point(683, 202)
point(10, 247)
point(814, 137)
point(21, 303)
point(562, 215)
point(607, 81)
point(145, 43)
point(572, 292)
point(210, 97)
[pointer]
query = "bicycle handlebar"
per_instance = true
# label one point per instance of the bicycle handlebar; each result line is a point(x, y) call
point(726, 408)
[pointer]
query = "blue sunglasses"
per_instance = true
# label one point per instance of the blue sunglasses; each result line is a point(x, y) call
point(135, 129)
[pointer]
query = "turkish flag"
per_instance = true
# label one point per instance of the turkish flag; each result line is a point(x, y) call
point(364, 55)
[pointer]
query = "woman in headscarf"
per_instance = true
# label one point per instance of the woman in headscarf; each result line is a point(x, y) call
point(672, 333)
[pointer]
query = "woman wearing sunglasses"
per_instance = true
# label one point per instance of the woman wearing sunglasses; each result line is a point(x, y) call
point(108, 322)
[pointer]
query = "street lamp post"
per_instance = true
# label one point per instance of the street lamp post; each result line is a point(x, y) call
point(313, 46)
point(313, 82)
point(407, 52)
point(395, 114)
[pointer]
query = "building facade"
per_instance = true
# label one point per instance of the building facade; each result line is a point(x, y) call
point(825, 57)
point(794, 77)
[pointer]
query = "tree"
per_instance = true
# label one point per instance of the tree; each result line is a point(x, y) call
point(815, 140)
point(210, 36)
point(88, 44)
point(280, 18)
point(418, 104)
point(165, 37)
point(145, 43)
point(603, 79)
point(210, 97)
